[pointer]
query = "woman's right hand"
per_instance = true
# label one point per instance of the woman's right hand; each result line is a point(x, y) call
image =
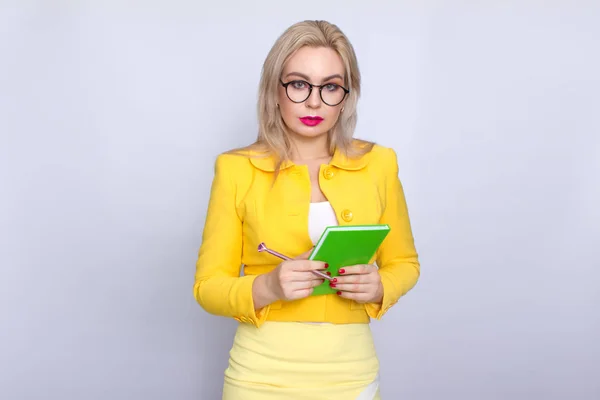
point(293, 279)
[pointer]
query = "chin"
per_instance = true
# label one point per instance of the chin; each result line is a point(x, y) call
point(310, 131)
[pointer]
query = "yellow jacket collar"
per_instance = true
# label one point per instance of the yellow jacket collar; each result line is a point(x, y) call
point(339, 160)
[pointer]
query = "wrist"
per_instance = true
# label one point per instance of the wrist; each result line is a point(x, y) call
point(269, 283)
point(379, 294)
point(263, 294)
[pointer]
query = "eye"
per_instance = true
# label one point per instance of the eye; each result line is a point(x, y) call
point(332, 87)
point(299, 84)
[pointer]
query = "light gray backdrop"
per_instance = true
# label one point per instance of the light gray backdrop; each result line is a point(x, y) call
point(111, 116)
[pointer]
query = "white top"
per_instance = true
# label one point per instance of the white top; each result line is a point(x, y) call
point(320, 216)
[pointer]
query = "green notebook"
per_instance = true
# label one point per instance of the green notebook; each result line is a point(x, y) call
point(343, 246)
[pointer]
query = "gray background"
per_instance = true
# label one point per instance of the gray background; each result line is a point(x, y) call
point(111, 116)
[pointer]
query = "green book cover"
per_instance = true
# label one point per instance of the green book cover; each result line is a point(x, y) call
point(344, 246)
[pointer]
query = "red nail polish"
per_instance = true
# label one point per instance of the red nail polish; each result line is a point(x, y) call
point(326, 265)
point(342, 271)
point(328, 273)
point(339, 293)
point(332, 284)
point(334, 280)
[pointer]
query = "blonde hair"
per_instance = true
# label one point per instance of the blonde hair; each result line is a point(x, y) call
point(272, 135)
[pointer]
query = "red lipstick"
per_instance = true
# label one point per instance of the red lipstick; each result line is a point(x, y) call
point(311, 121)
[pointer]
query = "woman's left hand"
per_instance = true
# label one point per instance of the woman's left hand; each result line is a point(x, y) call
point(361, 283)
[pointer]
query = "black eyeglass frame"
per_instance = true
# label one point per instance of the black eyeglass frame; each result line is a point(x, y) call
point(311, 86)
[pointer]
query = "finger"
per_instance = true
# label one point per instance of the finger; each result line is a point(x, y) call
point(304, 256)
point(356, 278)
point(300, 294)
point(307, 265)
point(359, 297)
point(301, 286)
point(357, 269)
point(303, 276)
point(352, 287)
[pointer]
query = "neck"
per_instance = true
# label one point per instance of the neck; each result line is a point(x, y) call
point(313, 148)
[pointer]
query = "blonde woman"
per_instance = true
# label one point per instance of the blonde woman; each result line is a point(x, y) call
point(304, 173)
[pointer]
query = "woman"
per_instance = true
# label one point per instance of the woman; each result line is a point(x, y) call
point(304, 173)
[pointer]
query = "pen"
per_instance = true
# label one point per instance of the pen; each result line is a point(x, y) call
point(263, 247)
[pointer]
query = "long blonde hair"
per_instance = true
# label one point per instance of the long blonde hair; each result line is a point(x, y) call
point(272, 135)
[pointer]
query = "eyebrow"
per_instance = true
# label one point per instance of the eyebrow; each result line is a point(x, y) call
point(308, 79)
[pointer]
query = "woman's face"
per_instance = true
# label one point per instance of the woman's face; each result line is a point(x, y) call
point(317, 66)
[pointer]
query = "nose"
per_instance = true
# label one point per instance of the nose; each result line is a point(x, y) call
point(314, 100)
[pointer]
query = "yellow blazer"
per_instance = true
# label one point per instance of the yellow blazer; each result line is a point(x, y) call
point(246, 208)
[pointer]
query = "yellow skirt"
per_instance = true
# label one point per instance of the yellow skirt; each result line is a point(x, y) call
point(308, 361)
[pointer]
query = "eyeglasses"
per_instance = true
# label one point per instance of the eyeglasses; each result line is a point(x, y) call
point(298, 91)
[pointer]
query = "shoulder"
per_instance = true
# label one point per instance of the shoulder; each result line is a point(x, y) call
point(365, 156)
point(247, 158)
point(233, 167)
point(231, 160)
point(379, 151)
point(239, 157)
point(382, 158)
point(233, 171)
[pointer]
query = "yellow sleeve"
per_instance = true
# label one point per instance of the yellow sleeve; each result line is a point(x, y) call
point(218, 287)
point(397, 257)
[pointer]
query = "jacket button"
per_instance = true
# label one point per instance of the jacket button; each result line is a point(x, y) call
point(347, 215)
point(328, 173)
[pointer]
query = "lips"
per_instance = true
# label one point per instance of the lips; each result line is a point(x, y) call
point(311, 121)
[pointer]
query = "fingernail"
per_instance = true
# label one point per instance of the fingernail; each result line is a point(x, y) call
point(334, 280)
point(326, 265)
point(328, 273)
point(342, 271)
point(339, 293)
point(331, 284)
